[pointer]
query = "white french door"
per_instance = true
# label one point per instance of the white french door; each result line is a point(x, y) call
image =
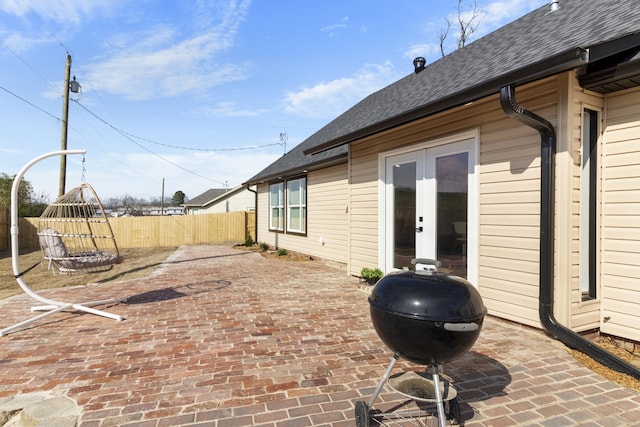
point(403, 193)
point(430, 200)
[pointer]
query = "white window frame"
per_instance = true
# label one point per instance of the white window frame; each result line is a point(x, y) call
point(300, 206)
point(278, 205)
point(589, 206)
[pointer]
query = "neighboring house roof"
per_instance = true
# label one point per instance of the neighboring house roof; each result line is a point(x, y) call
point(211, 196)
point(540, 44)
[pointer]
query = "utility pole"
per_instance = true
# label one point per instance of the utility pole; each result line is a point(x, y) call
point(65, 119)
point(162, 200)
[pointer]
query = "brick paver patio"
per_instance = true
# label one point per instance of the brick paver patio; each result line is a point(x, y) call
point(221, 337)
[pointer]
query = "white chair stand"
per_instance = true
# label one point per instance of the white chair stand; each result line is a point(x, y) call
point(50, 306)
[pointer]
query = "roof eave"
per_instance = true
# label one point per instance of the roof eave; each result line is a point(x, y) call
point(299, 170)
point(558, 63)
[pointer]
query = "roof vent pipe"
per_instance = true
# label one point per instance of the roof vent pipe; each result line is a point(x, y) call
point(547, 319)
point(418, 64)
point(555, 5)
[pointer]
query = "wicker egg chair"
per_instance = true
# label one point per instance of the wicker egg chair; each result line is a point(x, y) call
point(75, 235)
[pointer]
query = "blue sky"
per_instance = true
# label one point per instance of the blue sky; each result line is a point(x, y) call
point(197, 93)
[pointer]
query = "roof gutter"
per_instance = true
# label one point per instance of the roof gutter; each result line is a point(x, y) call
point(548, 320)
point(555, 64)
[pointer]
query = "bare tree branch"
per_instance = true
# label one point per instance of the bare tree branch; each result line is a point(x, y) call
point(467, 24)
point(443, 37)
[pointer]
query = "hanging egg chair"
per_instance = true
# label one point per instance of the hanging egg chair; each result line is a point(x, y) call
point(75, 235)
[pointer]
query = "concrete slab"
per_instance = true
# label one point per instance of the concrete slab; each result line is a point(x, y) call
point(38, 409)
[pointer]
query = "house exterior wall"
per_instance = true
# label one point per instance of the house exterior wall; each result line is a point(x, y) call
point(344, 203)
point(585, 315)
point(509, 187)
point(327, 214)
point(620, 228)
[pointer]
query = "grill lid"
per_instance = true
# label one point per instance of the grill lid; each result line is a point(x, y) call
point(429, 296)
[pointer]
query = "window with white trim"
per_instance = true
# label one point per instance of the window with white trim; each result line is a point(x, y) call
point(297, 205)
point(589, 209)
point(276, 206)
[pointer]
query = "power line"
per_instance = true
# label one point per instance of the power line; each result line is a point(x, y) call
point(253, 147)
point(130, 135)
point(26, 63)
point(47, 28)
point(125, 135)
point(31, 104)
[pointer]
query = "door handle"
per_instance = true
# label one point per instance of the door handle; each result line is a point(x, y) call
point(419, 229)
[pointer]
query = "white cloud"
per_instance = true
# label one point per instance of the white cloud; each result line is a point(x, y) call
point(155, 64)
point(331, 29)
point(499, 13)
point(61, 11)
point(18, 42)
point(328, 99)
point(426, 50)
point(227, 109)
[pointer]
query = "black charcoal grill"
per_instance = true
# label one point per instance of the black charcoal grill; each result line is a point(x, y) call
point(428, 318)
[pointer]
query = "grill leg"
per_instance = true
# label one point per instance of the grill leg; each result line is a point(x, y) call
point(384, 378)
point(442, 416)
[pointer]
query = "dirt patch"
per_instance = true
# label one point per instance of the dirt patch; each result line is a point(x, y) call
point(272, 253)
point(138, 262)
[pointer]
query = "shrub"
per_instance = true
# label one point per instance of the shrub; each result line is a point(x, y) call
point(249, 240)
point(282, 252)
point(371, 275)
point(264, 247)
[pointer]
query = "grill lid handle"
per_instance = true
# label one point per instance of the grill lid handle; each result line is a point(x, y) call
point(426, 261)
point(460, 327)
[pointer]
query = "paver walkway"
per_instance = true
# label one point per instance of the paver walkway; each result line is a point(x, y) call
point(221, 337)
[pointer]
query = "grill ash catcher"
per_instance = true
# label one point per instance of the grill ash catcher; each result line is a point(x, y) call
point(428, 318)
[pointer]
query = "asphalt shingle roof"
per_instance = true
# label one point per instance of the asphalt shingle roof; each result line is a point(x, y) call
point(206, 197)
point(538, 44)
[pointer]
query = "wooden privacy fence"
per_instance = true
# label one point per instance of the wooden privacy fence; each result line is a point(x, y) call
point(158, 231)
point(4, 228)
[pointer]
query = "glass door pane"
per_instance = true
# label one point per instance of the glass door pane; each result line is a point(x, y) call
point(452, 192)
point(404, 214)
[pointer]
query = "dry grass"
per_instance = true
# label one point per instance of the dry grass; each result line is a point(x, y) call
point(138, 262)
point(622, 379)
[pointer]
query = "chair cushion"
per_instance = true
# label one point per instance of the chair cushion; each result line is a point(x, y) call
point(52, 244)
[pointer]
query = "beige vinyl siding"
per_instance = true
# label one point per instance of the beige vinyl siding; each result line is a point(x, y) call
point(327, 213)
point(509, 172)
point(620, 252)
point(262, 215)
point(585, 315)
point(509, 218)
point(363, 222)
point(510, 208)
